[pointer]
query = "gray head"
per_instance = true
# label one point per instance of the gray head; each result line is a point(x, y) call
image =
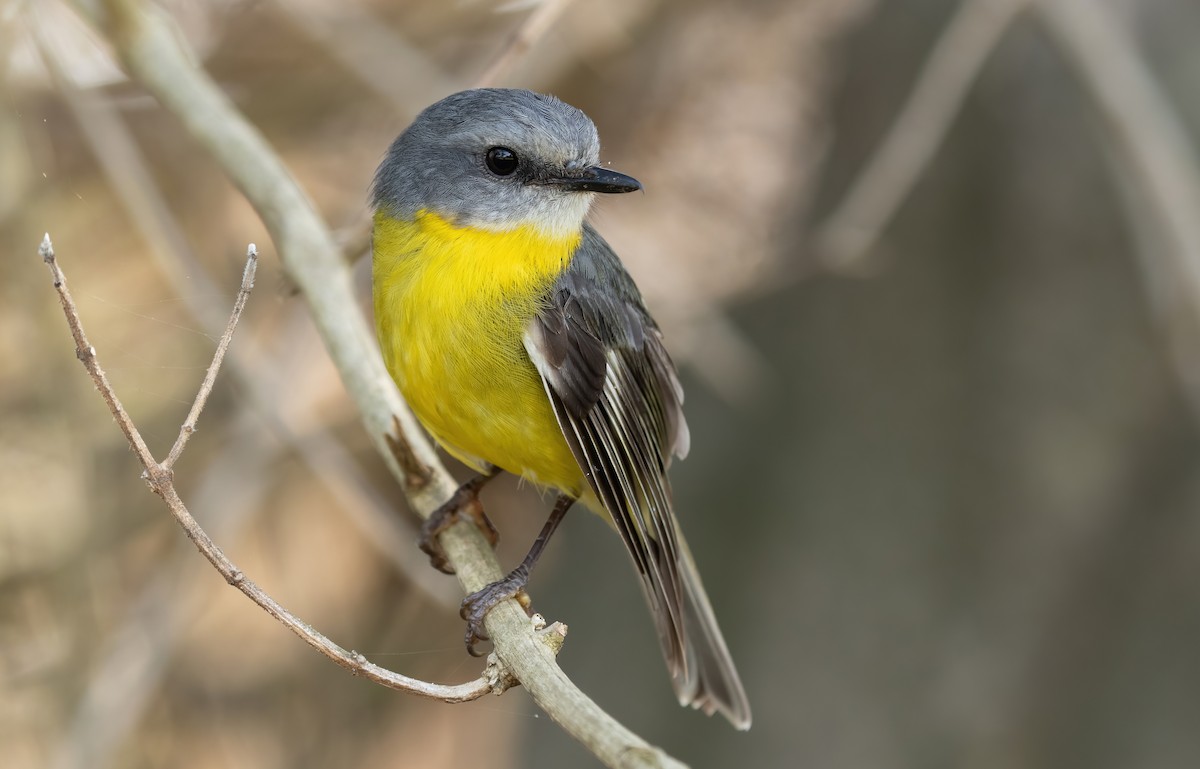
point(497, 159)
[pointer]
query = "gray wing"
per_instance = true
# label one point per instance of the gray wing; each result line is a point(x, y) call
point(619, 403)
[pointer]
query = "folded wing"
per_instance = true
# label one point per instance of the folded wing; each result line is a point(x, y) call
point(618, 401)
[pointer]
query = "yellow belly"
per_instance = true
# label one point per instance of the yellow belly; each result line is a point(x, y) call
point(451, 309)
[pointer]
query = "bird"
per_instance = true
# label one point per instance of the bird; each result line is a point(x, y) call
point(522, 345)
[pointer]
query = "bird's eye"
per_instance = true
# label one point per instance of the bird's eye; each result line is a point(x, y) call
point(501, 161)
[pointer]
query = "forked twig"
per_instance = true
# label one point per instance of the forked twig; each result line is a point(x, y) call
point(159, 478)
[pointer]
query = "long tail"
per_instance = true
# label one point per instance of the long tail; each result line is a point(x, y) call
point(702, 671)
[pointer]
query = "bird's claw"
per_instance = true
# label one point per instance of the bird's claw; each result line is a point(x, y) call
point(476, 606)
point(464, 500)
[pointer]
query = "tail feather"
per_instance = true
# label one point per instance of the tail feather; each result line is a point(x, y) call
point(707, 680)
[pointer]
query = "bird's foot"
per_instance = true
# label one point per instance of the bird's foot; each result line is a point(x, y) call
point(465, 500)
point(476, 606)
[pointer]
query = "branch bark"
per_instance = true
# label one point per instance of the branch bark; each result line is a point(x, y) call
point(150, 49)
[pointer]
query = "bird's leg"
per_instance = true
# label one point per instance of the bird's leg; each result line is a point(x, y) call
point(464, 500)
point(477, 605)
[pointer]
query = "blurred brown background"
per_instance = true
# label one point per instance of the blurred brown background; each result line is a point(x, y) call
point(943, 490)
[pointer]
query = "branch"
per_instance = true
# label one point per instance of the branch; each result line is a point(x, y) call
point(150, 49)
point(368, 49)
point(854, 227)
point(1154, 151)
point(160, 479)
point(1151, 146)
point(536, 25)
point(189, 424)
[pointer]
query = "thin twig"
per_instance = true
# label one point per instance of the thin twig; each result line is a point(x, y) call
point(159, 478)
point(87, 354)
point(210, 377)
point(851, 231)
point(536, 25)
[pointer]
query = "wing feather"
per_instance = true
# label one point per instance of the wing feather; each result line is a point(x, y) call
point(618, 401)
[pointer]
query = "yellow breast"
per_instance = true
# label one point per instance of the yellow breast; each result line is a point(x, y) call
point(451, 308)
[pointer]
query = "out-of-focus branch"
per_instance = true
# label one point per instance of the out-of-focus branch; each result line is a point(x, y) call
point(853, 229)
point(1155, 154)
point(160, 478)
point(536, 25)
point(1156, 166)
point(136, 655)
point(151, 51)
point(118, 156)
point(1152, 149)
point(375, 54)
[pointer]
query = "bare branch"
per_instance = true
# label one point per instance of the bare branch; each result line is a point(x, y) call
point(1154, 152)
point(849, 233)
point(159, 478)
point(87, 354)
point(210, 376)
point(537, 24)
point(365, 46)
point(1150, 142)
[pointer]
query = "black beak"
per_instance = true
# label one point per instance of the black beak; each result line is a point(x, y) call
point(595, 179)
